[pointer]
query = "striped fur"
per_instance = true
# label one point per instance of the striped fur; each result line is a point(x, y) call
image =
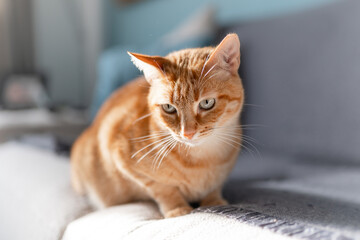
point(134, 150)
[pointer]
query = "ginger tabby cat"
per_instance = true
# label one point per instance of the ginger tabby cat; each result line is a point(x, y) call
point(172, 136)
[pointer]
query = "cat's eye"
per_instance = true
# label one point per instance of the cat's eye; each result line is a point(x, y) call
point(168, 108)
point(207, 104)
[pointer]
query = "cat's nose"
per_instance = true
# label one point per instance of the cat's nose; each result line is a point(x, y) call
point(189, 134)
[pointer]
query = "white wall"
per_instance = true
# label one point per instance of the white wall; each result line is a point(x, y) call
point(92, 25)
point(66, 47)
point(5, 45)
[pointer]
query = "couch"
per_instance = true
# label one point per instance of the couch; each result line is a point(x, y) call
point(298, 179)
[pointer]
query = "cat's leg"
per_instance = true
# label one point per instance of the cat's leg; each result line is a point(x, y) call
point(213, 198)
point(106, 191)
point(169, 198)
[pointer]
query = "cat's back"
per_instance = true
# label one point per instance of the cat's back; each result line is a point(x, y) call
point(132, 94)
point(123, 107)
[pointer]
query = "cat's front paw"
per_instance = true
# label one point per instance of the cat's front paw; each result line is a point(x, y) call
point(213, 202)
point(180, 211)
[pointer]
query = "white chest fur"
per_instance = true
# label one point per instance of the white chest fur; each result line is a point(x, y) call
point(200, 181)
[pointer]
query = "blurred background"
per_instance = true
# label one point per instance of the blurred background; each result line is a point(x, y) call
point(63, 39)
point(60, 59)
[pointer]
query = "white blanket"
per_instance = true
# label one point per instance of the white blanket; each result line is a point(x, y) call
point(143, 221)
point(36, 201)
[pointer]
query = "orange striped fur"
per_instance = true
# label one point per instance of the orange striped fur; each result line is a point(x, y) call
point(135, 150)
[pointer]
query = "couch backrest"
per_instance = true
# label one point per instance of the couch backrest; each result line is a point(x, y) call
point(141, 31)
point(303, 72)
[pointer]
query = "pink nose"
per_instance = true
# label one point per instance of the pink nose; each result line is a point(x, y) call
point(189, 134)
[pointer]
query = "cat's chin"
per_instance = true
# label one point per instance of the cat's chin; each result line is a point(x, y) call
point(191, 143)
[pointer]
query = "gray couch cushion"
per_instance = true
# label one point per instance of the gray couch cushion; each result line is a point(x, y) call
point(313, 196)
point(303, 73)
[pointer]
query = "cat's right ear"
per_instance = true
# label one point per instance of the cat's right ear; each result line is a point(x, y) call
point(151, 66)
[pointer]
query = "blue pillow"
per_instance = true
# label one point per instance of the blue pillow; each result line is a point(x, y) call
point(115, 68)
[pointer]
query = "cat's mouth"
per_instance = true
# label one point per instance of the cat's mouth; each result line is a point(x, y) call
point(191, 143)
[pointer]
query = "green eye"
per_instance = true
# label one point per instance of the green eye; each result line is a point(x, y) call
point(207, 104)
point(168, 108)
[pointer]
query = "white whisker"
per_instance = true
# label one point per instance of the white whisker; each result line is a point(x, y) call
point(256, 150)
point(224, 141)
point(157, 146)
point(231, 140)
point(250, 139)
point(160, 152)
point(207, 79)
point(253, 105)
point(241, 126)
point(166, 138)
point(168, 150)
point(231, 135)
point(202, 70)
point(158, 133)
point(209, 71)
point(141, 118)
point(238, 144)
point(149, 137)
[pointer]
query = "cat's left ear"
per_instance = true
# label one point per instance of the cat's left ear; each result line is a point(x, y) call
point(152, 66)
point(226, 55)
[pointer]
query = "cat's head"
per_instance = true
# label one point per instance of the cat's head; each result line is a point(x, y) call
point(195, 92)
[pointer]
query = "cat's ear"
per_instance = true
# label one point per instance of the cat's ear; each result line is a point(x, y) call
point(152, 66)
point(226, 55)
